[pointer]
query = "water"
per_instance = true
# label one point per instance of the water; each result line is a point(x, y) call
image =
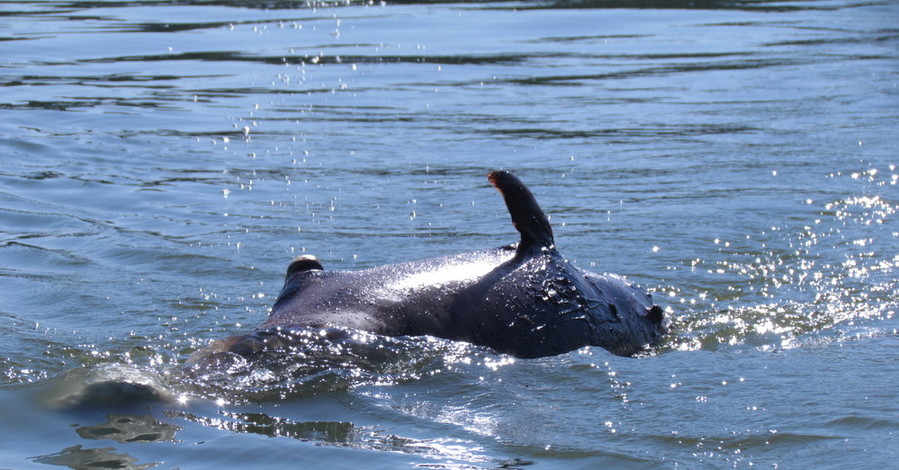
point(163, 161)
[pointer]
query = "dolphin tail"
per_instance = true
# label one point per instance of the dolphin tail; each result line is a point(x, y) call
point(527, 217)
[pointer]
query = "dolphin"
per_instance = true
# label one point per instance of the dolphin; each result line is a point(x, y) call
point(523, 299)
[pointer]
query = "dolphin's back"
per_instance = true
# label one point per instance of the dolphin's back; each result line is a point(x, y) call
point(523, 299)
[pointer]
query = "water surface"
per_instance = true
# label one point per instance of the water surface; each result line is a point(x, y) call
point(163, 161)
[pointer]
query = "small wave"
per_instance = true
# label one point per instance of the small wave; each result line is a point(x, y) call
point(282, 364)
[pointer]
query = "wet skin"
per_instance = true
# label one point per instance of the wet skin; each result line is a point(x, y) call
point(522, 299)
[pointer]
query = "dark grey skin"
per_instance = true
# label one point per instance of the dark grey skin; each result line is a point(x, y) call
point(522, 299)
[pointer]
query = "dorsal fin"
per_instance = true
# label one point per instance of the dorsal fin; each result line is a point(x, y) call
point(527, 217)
point(303, 263)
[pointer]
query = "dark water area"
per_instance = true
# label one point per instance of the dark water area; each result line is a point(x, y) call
point(162, 162)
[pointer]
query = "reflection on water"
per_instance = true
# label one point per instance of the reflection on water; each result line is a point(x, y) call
point(342, 434)
point(78, 458)
point(125, 428)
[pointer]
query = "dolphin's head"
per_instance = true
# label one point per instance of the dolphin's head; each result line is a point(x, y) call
point(655, 315)
point(632, 306)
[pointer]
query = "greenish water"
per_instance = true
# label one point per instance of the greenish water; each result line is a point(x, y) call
point(161, 163)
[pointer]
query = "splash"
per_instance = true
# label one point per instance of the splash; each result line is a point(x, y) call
point(299, 362)
point(833, 277)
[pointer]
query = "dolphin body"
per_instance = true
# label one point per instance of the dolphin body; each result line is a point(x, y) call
point(522, 299)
